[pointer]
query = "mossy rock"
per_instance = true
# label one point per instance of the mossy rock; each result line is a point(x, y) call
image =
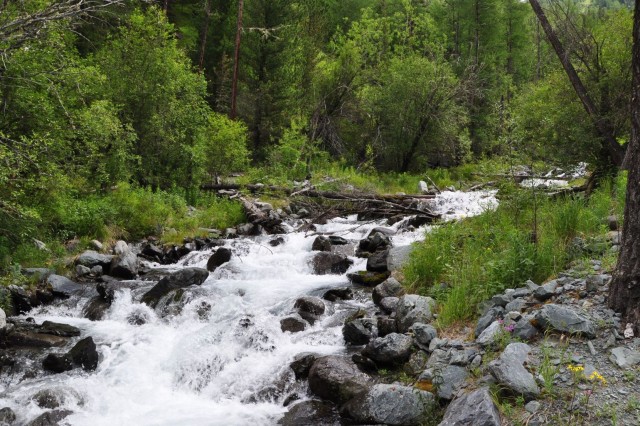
point(367, 278)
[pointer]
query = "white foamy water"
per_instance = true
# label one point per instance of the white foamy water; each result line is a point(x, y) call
point(222, 359)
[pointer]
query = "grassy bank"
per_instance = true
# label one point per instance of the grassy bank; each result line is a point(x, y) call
point(528, 237)
point(125, 212)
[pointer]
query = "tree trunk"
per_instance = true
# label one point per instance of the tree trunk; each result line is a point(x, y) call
point(236, 63)
point(615, 151)
point(203, 36)
point(624, 294)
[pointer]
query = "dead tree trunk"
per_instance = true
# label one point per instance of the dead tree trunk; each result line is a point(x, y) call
point(236, 63)
point(603, 128)
point(624, 294)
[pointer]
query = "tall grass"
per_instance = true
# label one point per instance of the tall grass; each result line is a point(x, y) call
point(528, 237)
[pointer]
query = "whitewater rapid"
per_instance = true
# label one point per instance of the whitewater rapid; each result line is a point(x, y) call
point(223, 359)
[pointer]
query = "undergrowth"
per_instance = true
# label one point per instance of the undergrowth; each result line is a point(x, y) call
point(529, 236)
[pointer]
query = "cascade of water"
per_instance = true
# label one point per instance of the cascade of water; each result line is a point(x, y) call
point(219, 358)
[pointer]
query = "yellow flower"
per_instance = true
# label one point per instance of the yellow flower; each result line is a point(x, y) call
point(575, 368)
point(598, 376)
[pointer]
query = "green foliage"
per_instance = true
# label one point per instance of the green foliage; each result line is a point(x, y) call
point(224, 148)
point(528, 237)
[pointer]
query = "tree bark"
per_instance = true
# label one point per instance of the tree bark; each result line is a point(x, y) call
point(624, 294)
point(236, 63)
point(205, 32)
point(615, 151)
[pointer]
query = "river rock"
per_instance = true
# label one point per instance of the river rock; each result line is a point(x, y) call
point(412, 309)
point(181, 279)
point(218, 258)
point(310, 304)
point(312, 412)
point(423, 188)
point(48, 398)
point(29, 339)
point(490, 334)
point(511, 374)
point(56, 363)
point(84, 354)
point(293, 323)
point(22, 301)
point(423, 334)
point(368, 279)
point(392, 349)
point(473, 409)
point(390, 404)
point(389, 304)
point(386, 325)
point(50, 418)
point(58, 329)
point(37, 273)
point(321, 243)
point(524, 330)
point(359, 331)
point(447, 381)
point(91, 258)
point(3, 319)
point(7, 416)
point(624, 357)
point(336, 378)
point(153, 252)
point(398, 257)
point(546, 291)
point(493, 314)
point(338, 294)
point(325, 263)
point(301, 365)
point(338, 241)
point(64, 287)
point(375, 241)
point(389, 288)
point(82, 270)
point(377, 262)
point(95, 308)
point(125, 263)
point(565, 320)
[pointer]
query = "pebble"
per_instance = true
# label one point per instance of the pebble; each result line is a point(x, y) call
point(592, 350)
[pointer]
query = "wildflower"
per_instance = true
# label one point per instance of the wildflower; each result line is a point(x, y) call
point(510, 327)
point(575, 368)
point(597, 376)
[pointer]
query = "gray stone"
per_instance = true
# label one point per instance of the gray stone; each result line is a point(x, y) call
point(82, 270)
point(96, 245)
point(546, 291)
point(489, 317)
point(595, 281)
point(511, 374)
point(412, 309)
point(489, 335)
point(336, 379)
point(521, 292)
point(447, 381)
point(64, 287)
point(301, 365)
point(7, 416)
point(392, 349)
point(565, 320)
point(368, 278)
point(377, 262)
point(386, 326)
point(423, 188)
point(359, 331)
point(321, 243)
point(389, 304)
point(423, 334)
point(91, 258)
point(516, 305)
point(120, 247)
point(58, 329)
point(390, 405)
point(533, 407)
point(439, 359)
point(524, 330)
point(181, 279)
point(50, 418)
point(312, 412)
point(398, 257)
point(3, 319)
point(473, 409)
point(624, 357)
point(501, 300)
point(97, 270)
point(334, 294)
point(218, 258)
point(325, 263)
point(310, 305)
point(531, 286)
point(38, 273)
point(125, 264)
point(389, 288)
point(293, 323)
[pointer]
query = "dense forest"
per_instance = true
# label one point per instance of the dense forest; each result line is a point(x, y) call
point(97, 96)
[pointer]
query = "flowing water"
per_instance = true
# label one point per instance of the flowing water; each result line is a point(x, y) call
point(222, 359)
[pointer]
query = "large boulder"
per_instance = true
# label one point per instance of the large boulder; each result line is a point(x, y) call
point(218, 258)
point(50, 418)
point(3, 319)
point(565, 320)
point(321, 243)
point(389, 288)
point(312, 412)
point(377, 262)
point(58, 329)
point(302, 363)
point(392, 349)
point(325, 263)
point(125, 264)
point(423, 334)
point(7, 416)
point(293, 323)
point(510, 372)
point(493, 314)
point(447, 381)
point(91, 258)
point(336, 379)
point(83, 354)
point(64, 287)
point(412, 309)
point(181, 279)
point(310, 304)
point(473, 409)
point(398, 257)
point(359, 331)
point(391, 405)
point(343, 293)
point(375, 241)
